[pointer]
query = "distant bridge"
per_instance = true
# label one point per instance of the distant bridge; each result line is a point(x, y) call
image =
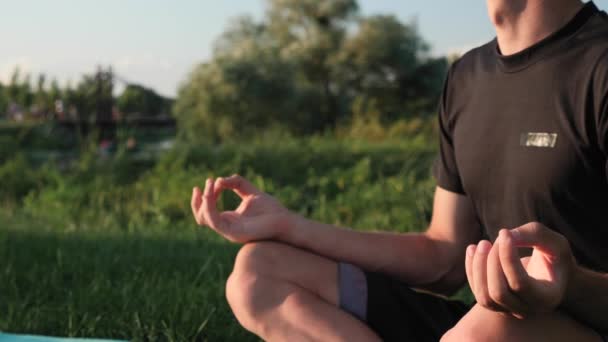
point(152, 122)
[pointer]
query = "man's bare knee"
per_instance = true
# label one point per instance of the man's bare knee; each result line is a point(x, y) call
point(312, 272)
point(253, 264)
point(447, 337)
point(480, 324)
point(240, 294)
point(241, 284)
point(257, 257)
point(245, 286)
point(460, 334)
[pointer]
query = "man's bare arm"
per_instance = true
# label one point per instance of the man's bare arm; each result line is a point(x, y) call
point(433, 259)
point(587, 298)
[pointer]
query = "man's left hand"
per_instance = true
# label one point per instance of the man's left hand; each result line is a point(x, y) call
point(502, 281)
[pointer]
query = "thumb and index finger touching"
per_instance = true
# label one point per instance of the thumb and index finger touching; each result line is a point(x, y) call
point(538, 236)
point(535, 235)
point(242, 187)
point(204, 207)
point(203, 202)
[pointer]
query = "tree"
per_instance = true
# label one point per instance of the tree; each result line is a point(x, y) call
point(3, 100)
point(13, 90)
point(55, 93)
point(26, 94)
point(311, 33)
point(307, 66)
point(41, 100)
point(19, 90)
point(139, 100)
point(93, 97)
point(245, 88)
point(387, 67)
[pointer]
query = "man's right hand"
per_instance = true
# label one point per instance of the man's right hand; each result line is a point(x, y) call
point(258, 217)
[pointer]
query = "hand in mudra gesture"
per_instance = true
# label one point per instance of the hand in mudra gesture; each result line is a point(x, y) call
point(259, 216)
point(502, 281)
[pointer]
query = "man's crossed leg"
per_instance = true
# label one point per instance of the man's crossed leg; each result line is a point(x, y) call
point(282, 293)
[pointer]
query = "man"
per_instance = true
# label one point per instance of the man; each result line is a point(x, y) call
point(523, 163)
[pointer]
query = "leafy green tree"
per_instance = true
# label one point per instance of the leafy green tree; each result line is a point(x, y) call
point(136, 99)
point(308, 66)
point(93, 97)
point(387, 67)
point(26, 93)
point(41, 98)
point(55, 93)
point(246, 87)
point(13, 89)
point(19, 89)
point(3, 100)
point(310, 34)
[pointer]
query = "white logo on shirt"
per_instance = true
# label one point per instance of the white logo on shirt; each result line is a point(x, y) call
point(547, 140)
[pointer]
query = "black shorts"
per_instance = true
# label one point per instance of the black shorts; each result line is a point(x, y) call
point(394, 311)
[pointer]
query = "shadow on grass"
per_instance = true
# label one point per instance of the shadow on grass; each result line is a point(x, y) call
point(167, 286)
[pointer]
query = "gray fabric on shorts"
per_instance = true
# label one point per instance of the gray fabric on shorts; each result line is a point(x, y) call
point(352, 285)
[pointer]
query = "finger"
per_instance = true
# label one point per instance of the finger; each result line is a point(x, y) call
point(240, 185)
point(480, 274)
point(196, 204)
point(498, 288)
point(209, 208)
point(517, 277)
point(468, 265)
point(555, 249)
point(199, 214)
point(540, 237)
point(217, 189)
point(525, 261)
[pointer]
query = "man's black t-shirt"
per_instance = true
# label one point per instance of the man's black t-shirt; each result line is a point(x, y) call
point(525, 136)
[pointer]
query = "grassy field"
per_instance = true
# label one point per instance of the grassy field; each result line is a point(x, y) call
point(144, 287)
point(106, 247)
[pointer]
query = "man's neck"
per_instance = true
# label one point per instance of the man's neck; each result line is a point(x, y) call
point(522, 23)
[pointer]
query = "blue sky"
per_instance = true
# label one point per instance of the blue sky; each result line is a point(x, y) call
point(157, 42)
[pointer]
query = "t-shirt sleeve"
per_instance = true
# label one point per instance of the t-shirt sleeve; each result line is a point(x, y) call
point(600, 89)
point(603, 133)
point(445, 169)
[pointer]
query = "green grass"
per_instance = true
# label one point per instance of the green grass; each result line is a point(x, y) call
point(107, 247)
point(158, 286)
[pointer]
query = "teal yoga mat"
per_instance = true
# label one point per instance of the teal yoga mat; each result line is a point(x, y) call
point(32, 338)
